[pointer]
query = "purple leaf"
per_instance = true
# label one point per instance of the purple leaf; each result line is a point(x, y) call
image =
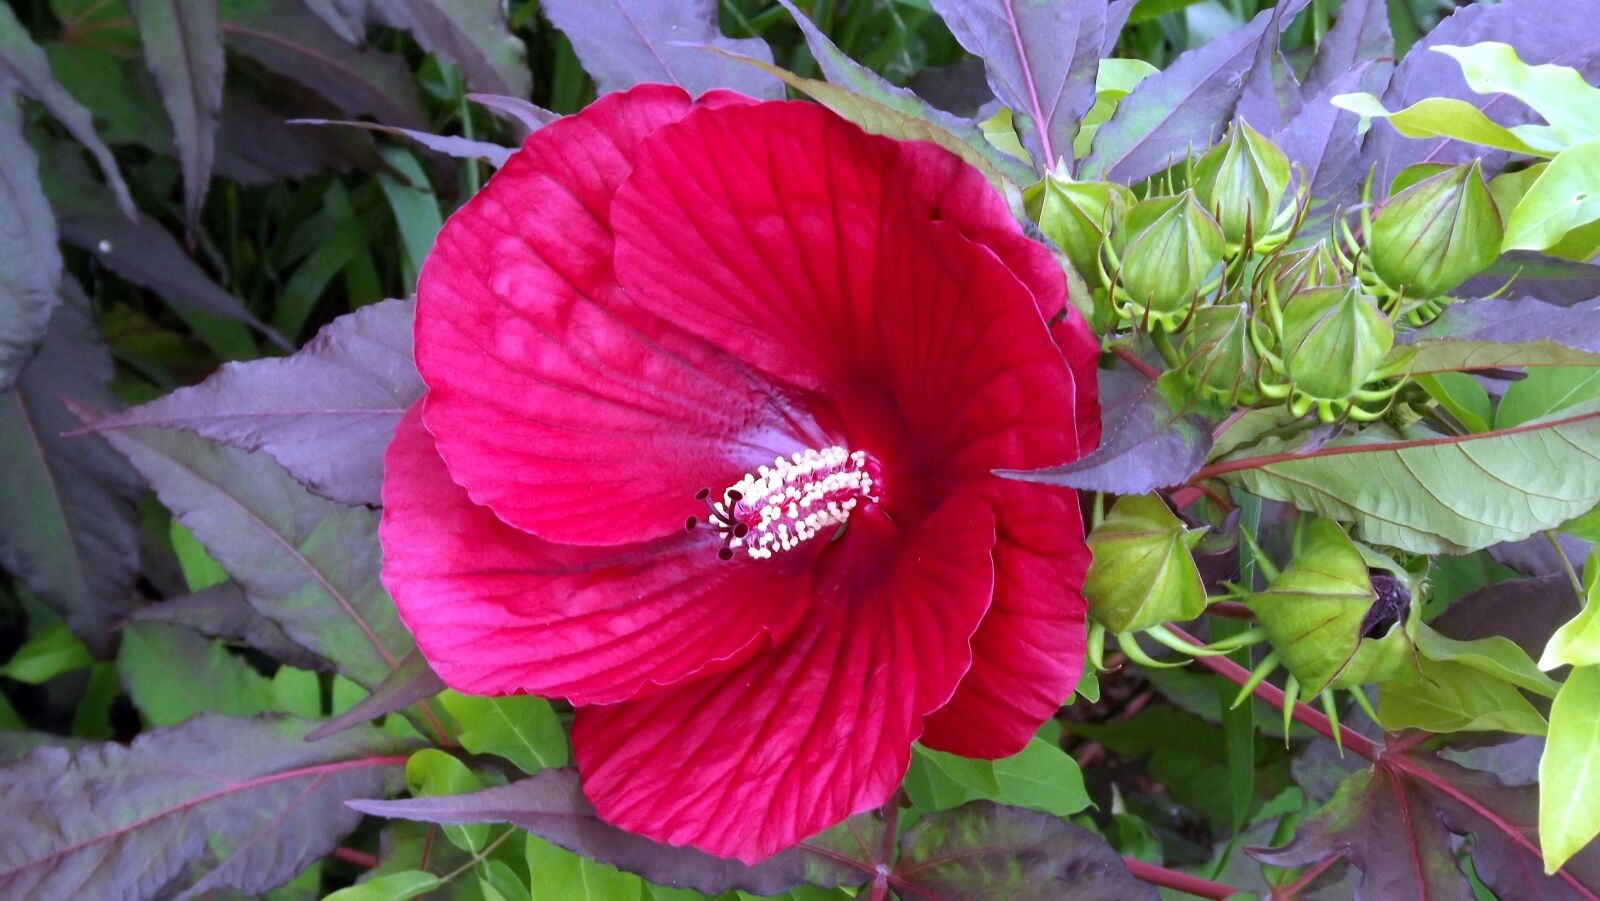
point(1495, 333)
point(212, 804)
point(1271, 95)
point(1324, 142)
point(222, 612)
point(412, 681)
point(449, 145)
point(30, 263)
point(347, 18)
point(987, 850)
point(255, 146)
point(1181, 110)
point(1151, 437)
point(1543, 31)
point(551, 805)
point(516, 111)
point(1526, 611)
point(626, 42)
point(1360, 34)
point(23, 66)
point(183, 50)
point(1042, 57)
point(69, 522)
point(307, 564)
point(144, 253)
point(1117, 14)
point(1555, 281)
point(1536, 557)
point(841, 70)
point(325, 414)
point(285, 37)
point(473, 35)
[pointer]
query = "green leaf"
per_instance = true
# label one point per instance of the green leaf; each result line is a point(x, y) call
point(1564, 197)
point(1558, 93)
point(1445, 117)
point(1043, 777)
point(1577, 642)
point(431, 772)
point(1454, 697)
point(1462, 396)
point(1586, 526)
point(1569, 771)
point(415, 208)
point(938, 780)
point(521, 728)
point(1495, 656)
point(1430, 493)
point(1543, 392)
point(173, 674)
point(556, 874)
point(399, 886)
point(200, 571)
point(47, 655)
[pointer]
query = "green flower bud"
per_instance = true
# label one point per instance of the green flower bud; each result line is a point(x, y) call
point(1331, 348)
point(1316, 266)
point(1076, 216)
point(1242, 181)
point(1333, 621)
point(1436, 234)
point(1143, 572)
point(1221, 362)
point(1167, 253)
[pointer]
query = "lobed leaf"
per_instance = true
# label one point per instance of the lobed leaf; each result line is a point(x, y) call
point(325, 414)
point(627, 42)
point(413, 680)
point(1042, 57)
point(1324, 141)
point(474, 35)
point(221, 612)
point(1360, 34)
point(183, 49)
point(30, 264)
point(1495, 334)
point(69, 523)
point(213, 804)
point(307, 564)
point(449, 145)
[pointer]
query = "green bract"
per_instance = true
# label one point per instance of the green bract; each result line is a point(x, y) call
point(1219, 359)
point(1327, 619)
point(1242, 182)
point(1076, 215)
point(1143, 572)
point(1324, 348)
point(1163, 255)
point(1435, 234)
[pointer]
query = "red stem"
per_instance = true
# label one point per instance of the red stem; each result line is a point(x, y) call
point(1183, 882)
point(352, 856)
point(1229, 609)
point(1272, 694)
point(1132, 359)
point(1293, 889)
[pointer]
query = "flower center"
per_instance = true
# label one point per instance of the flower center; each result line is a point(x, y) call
point(792, 501)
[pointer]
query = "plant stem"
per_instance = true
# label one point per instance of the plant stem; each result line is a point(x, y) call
point(1566, 564)
point(1132, 359)
point(1183, 882)
point(355, 857)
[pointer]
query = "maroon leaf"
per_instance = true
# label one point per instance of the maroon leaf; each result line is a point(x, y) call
point(1183, 109)
point(412, 681)
point(1325, 143)
point(1041, 57)
point(473, 35)
point(515, 110)
point(69, 522)
point(986, 850)
point(1510, 322)
point(1360, 34)
point(1543, 31)
point(1117, 13)
point(183, 50)
point(1526, 611)
point(347, 18)
point(626, 42)
point(449, 145)
point(212, 804)
point(1521, 273)
point(23, 65)
point(1150, 437)
point(1271, 94)
point(30, 263)
point(1394, 821)
point(256, 146)
point(325, 414)
point(287, 38)
point(307, 564)
point(551, 805)
point(221, 611)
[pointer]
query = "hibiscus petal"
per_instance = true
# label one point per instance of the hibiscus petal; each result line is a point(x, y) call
point(571, 413)
point(1027, 656)
point(498, 611)
point(757, 228)
point(753, 760)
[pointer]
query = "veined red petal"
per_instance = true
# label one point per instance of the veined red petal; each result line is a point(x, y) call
point(498, 611)
point(753, 760)
point(559, 404)
point(1027, 656)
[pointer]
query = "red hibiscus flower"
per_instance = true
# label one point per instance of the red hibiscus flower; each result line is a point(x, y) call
point(716, 393)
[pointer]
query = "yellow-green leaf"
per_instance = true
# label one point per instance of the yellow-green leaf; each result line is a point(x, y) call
point(1569, 771)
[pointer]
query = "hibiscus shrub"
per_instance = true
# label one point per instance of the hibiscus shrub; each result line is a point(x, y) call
point(1114, 481)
